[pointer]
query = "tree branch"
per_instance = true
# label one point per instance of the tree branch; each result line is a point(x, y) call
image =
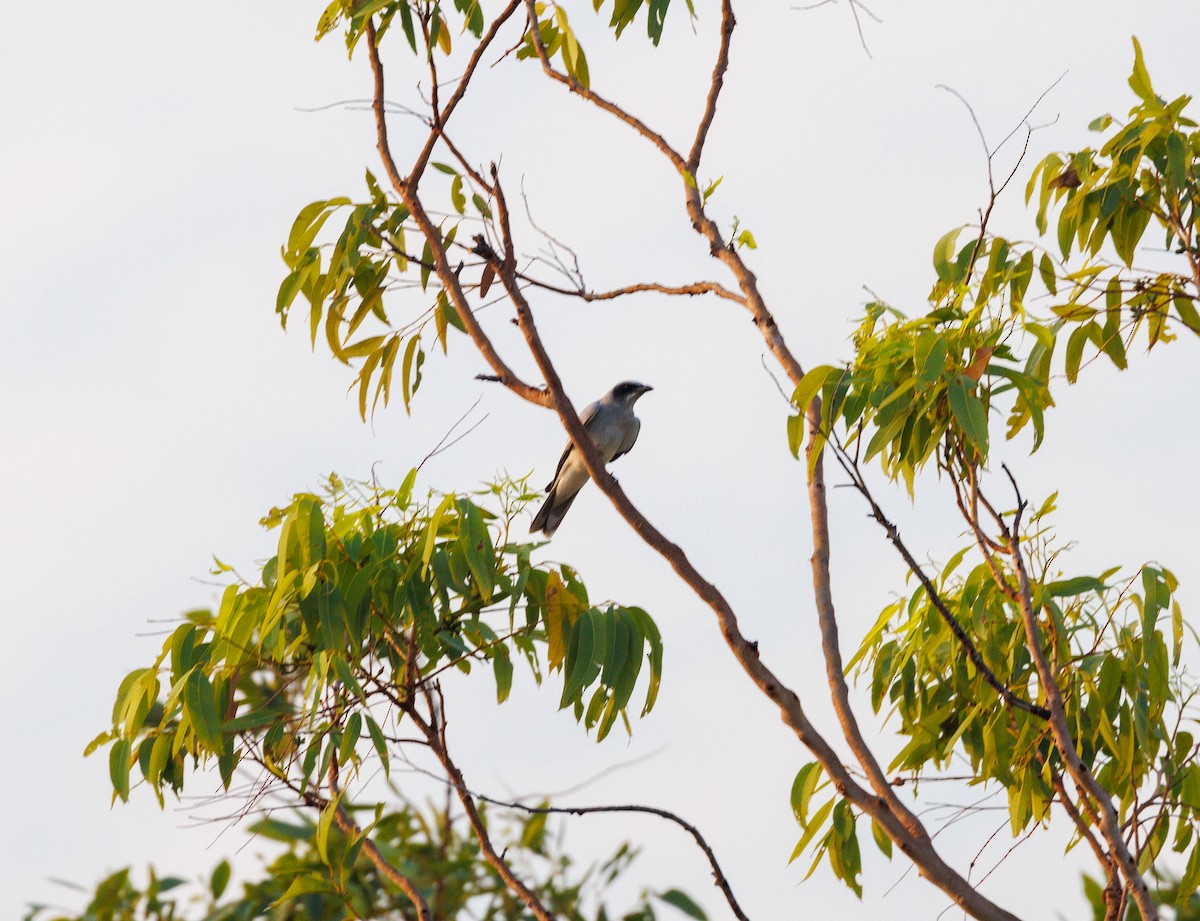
point(1109, 824)
point(441, 116)
point(935, 598)
point(446, 275)
point(434, 732)
point(718, 876)
point(919, 848)
point(714, 89)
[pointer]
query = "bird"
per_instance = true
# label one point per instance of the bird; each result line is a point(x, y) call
point(614, 428)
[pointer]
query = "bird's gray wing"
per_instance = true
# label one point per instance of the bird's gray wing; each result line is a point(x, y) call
point(589, 413)
point(631, 435)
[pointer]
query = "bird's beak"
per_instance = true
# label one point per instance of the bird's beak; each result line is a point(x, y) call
point(646, 388)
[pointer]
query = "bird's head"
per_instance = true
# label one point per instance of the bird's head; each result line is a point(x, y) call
point(627, 392)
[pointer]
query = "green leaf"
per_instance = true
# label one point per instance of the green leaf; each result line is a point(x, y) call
point(411, 372)
point(1074, 355)
point(379, 742)
point(808, 388)
point(677, 899)
point(220, 879)
point(350, 737)
point(795, 434)
point(943, 254)
point(502, 667)
point(579, 662)
point(431, 530)
point(1046, 270)
point(308, 224)
point(969, 412)
point(1070, 587)
point(118, 768)
point(1139, 80)
point(803, 788)
point(309, 882)
point(1176, 632)
point(102, 739)
point(1191, 877)
point(882, 841)
point(1177, 161)
point(200, 702)
point(457, 198)
point(346, 676)
point(810, 831)
point(321, 839)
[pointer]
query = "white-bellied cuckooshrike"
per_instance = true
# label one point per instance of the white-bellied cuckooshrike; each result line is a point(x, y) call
point(614, 428)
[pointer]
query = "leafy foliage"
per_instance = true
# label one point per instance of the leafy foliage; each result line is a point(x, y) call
point(924, 385)
point(924, 389)
point(300, 884)
point(370, 597)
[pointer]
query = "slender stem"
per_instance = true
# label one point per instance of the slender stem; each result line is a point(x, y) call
point(714, 88)
point(434, 732)
point(718, 875)
point(935, 598)
point(1109, 824)
point(442, 115)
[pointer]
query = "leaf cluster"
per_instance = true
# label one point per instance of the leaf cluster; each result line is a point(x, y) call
point(444, 862)
point(370, 597)
point(917, 385)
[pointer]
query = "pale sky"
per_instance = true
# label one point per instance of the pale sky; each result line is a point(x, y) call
point(151, 410)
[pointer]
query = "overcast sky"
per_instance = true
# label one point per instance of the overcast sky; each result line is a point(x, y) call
point(153, 156)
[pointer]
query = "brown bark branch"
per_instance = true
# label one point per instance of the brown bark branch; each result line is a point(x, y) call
point(386, 869)
point(691, 289)
point(835, 673)
point(595, 98)
point(1109, 824)
point(935, 598)
point(703, 225)
point(919, 848)
point(718, 875)
point(1114, 902)
point(714, 89)
point(434, 732)
point(441, 116)
point(431, 233)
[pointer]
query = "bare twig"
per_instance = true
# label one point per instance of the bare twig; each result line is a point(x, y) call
point(718, 874)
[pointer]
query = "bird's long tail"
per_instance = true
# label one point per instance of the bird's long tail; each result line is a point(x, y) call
point(550, 515)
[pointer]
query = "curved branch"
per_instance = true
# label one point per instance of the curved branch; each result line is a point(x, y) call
point(714, 88)
point(447, 276)
point(434, 732)
point(347, 825)
point(691, 289)
point(935, 598)
point(1113, 893)
point(701, 223)
point(595, 98)
point(918, 847)
point(718, 876)
point(1110, 826)
point(441, 116)
point(835, 673)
